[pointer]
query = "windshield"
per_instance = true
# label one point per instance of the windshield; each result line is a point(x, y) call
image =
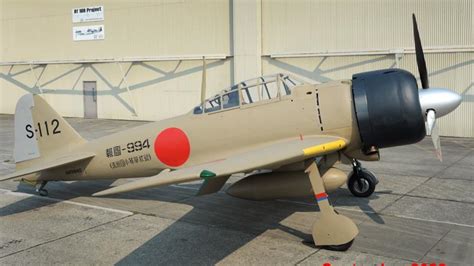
point(264, 88)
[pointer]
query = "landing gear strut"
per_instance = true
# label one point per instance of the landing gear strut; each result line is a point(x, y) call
point(361, 181)
point(41, 190)
point(332, 230)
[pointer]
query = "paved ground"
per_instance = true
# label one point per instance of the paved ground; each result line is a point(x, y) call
point(422, 211)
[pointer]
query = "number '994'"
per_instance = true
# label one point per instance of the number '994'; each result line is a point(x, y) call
point(137, 146)
point(45, 128)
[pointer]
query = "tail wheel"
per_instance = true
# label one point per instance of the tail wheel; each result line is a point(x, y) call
point(43, 192)
point(40, 189)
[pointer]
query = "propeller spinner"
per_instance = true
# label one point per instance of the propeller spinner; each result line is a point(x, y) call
point(435, 102)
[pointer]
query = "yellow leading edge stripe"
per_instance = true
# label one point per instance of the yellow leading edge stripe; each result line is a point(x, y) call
point(324, 148)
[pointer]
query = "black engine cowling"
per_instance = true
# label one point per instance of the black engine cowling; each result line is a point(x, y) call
point(388, 108)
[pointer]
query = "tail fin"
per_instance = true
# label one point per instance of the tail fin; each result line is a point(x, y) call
point(40, 131)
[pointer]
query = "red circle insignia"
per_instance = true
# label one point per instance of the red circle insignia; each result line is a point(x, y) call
point(172, 147)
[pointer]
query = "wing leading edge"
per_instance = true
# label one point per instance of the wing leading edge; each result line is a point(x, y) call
point(272, 155)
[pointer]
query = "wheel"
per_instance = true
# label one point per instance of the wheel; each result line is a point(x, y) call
point(342, 247)
point(372, 175)
point(40, 189)
point(43, 192)
point(362, 185)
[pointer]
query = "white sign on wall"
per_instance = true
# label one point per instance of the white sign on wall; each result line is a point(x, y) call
point(88, 33)
point(85, 14)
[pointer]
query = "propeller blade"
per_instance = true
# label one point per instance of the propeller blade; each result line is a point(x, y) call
point(420, 57)
point(434, 131)
point(430, 119)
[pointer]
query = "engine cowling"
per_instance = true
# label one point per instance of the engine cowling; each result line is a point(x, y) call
point(388, 108)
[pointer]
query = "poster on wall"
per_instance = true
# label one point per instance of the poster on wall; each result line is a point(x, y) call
point(88, 33)
point(86, 14)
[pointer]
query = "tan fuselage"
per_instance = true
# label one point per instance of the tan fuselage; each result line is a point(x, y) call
point(325, 109)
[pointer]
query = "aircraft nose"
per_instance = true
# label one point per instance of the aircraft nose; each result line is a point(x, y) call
point(442, 101)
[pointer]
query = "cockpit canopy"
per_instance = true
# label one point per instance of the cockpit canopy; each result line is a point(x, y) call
point(264, 88)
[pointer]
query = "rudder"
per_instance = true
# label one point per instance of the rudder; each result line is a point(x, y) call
point(40, 131)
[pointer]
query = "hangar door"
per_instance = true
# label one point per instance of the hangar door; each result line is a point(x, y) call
point(90, 99)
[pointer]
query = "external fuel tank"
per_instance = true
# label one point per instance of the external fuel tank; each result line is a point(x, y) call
point(275, 185)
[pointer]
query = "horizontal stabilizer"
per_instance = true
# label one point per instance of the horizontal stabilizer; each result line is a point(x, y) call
point(49, 164)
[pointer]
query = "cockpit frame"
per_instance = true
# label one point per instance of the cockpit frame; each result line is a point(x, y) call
point(249, 93)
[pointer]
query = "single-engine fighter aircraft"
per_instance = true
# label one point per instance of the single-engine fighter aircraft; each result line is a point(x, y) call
point(294, 131)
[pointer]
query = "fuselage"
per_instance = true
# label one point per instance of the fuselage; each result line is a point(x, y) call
point(191, 139)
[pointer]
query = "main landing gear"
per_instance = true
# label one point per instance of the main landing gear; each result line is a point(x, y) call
point(361, 182)
point(332, 230)
point(41, 190)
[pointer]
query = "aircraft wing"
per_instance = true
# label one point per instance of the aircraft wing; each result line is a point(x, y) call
point(272, 155)
point(51, 163)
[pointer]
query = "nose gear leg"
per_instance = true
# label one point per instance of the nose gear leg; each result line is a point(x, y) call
point(361, 182)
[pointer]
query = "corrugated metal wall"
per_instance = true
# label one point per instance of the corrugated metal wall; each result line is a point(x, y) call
point(304, 26)
point(158, 89)
point(343, 25)
point(41, 30)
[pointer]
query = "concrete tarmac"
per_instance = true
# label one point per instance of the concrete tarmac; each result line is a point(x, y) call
point(422, 211)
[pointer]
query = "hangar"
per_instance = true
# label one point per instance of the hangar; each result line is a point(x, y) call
point(142, 60)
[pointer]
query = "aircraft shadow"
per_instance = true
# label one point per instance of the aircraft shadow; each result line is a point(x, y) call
point(344, 198)
point(216, 227)
point(58, 191)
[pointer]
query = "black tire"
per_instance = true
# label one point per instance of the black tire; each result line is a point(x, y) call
point(367, 180)
point(371, 175)
point(43, 192)
point(342, 247)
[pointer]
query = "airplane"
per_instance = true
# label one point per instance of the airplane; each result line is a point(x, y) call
point(284, 134)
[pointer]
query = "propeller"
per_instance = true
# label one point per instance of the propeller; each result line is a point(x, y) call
point(420, 56)
point(433, 130)
point(434, 102)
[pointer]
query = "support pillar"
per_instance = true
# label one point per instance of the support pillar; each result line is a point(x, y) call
point(247, 41)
